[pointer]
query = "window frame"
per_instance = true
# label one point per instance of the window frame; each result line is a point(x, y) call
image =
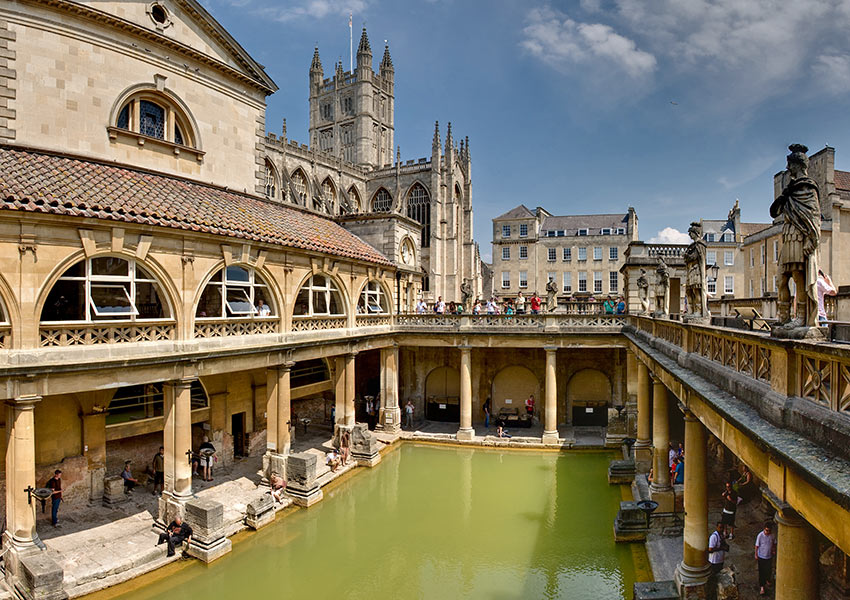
point(247, 287)
point(597, 253)
point(523, 279)
point(727, 280)
point(597, 282)
point(613, 253)
point(729, 258)
point(523, 230)
point(568, 282)
point(506, 231)
point(582, 254)
point(506, 252)
point(567, 255)
point(506, 283)
point(179, 130)
point(582, 281)
point(552, 254)
point(523, 252)
point(328, 289)
point(370, 298)
point(613, 282)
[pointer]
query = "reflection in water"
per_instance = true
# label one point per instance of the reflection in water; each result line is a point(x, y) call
point(432, 522)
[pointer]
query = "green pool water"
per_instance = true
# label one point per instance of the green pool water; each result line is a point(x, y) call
point(434, 522)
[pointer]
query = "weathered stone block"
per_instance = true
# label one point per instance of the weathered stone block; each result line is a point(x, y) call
point(260, 512)
point(655, 590)
point(630, 523)
point(113, 490)
point(301, 483)
point(727, 584)
point(206, 518)
point(621, 472)
point(40, 578)
point(364, 446)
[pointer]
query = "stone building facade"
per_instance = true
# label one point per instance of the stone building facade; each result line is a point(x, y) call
point(581, 253)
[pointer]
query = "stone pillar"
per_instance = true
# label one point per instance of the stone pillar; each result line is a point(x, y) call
point(466, 432)
point(20, 473)
point(278, 409)
point(796, 558)
point(692, 573)
point(389, 418)
point(631, 393)
point(550, 429)
point(349, 389)
point(177, 442)
point(339, 392)
point(643, 446)
point(661, 491)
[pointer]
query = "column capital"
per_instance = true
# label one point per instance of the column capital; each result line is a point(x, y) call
point(465, 348)
point(352, 353)
point(688, 415)
point(182, 382)
point(27, 402)
point(788, 517)
point(550, 349)
point(284, 366)
point(656, 380)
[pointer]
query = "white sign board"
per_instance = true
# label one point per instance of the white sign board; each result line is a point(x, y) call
point(442, 407)
point(509, 401)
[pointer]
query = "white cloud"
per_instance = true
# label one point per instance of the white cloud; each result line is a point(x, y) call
point(563, 43)
point(306, 9)
point(670, 235)
point(834, 72)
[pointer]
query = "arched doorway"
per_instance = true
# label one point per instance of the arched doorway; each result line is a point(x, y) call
point(589, 393)
point(442, 395)
point(511, 387)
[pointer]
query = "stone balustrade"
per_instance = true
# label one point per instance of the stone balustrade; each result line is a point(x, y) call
point(89, 334)
point(207, 328)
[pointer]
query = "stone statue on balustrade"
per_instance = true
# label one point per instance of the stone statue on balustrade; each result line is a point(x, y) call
point(551, 295)
point(799, 204)
point(662, 289)
point(643, 292)
point(465, 292)
point(696, 290)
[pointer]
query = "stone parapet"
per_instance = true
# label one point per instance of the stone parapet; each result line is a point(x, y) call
point(206, 518)
point(260, 512)
point(364, 446)
point(301, 485)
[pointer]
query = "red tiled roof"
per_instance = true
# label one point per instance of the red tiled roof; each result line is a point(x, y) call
point(842, 180)
point(37, 182)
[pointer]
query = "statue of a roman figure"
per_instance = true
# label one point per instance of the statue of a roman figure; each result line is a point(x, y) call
point(695, 283)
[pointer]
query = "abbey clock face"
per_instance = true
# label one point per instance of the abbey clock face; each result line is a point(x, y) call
point(406, 252)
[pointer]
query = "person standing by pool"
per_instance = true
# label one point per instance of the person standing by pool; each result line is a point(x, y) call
point(408, 414)
point(55, 484)
point(717, 548)
point(486, 409)
point(206, 458)
point(765, 550)
point(679, 471)
point(730, 507)
point(158, 466)
point(529, 407)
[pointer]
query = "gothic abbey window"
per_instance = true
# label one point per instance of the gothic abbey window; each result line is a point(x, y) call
point(299, 182)
point(354, 199)
point(105, 288)
point(347, 134)
point(235, 292)
point(382, 201)
point(327, 111)
point(373, 300)
point(419, 209)
point(329, 194)
point(319, 296)
point(348, 105)
point(326, 139)
point(269, 180)
point(155, 115)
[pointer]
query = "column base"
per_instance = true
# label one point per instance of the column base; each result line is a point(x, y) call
point(273, 463)
point(170, 505)
point(664, 497)
point(366, 460)
point(305, 498)
point(643, 457)
point(389, 419)
point(692, 582)
point(550, 438)
point(465, 434)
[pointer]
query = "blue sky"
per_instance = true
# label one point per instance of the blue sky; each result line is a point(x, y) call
point(675, 107)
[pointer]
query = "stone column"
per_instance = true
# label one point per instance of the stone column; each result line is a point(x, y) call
point(661, 491)
point(389, 418)
point(692, 573)
point(278, 409)
point(643, 446)
point(177, 442)
point(349, 389)
point(466, 432)
point(550, 429)
point(20, 472)
point(631, 393)
point(796, 558)
point(339, 392)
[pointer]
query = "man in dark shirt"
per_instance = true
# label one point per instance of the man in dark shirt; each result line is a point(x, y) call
point(55, 484)
point(159, 470)
point(176, 534)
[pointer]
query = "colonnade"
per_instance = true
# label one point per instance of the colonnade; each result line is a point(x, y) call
point(797, 552)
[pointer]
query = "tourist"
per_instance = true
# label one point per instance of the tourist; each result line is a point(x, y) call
point(127, 475)
point(440, 306)
point(717, 548)
point(609, 306)
point(500, 427)
point(744, 483)
point(370, 411)
point(680, 450)
point(730, 507)
point(679, 471)
point(55, 484)
point(535, 303)
point(509, 307)
point(765, 550)
point(421, 307)
point(671, 454)
point(277, 485)
point(520, 304)
point(263, 309)
point(459, 308)
point(486, 409)
point(825, 288)
point(621, 306)
point(450, 309)
point(408, 414)
point(491, 306)
point(176, 533)
point(529, 407)
point(345, 446)
point(476, 308)
point(158, 466)
point(207, 458)
point(333, 460)
point(650, 477)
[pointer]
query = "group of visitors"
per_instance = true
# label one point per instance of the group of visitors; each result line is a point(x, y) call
point(338, 457)
point(520, 305)
point(676, 463)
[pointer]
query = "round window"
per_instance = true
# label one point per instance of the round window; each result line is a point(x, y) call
point(159, 14)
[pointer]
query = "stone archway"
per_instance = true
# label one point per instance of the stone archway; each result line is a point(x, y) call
point(512, 386)
point(589, 395)
point(442, 395)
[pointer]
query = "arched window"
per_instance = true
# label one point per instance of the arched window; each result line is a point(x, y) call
point(419, 209)
point(319, 296)
point(155, 115)
point(382, 201)
point(373, 300)
point(458, 193)
point(354, 198)
point(269, 180)
point(329, 193)
point(105, 288)
point(299, 182)
point(136, 402)
point(235, 292)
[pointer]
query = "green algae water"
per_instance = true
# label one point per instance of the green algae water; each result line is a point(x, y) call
point(434, 522)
